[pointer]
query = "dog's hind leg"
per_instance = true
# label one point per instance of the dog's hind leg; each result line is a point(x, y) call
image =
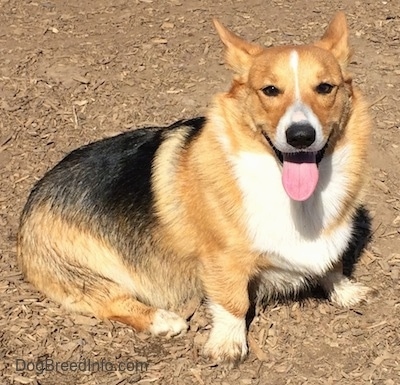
point(83, 289)
point(128, 310)
point(89, 292)
point(84, 274)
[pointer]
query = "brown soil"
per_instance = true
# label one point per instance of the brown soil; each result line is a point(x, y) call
point(73, 71)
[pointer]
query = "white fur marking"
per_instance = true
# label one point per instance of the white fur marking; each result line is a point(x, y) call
point(298, 116)
point(298, 112)
point(290, 232)
point(167, 323)
point(227, 339)
point(342, 291)
point(280, 281)
point(291, 115)
point(220, 132)
point(294, 64)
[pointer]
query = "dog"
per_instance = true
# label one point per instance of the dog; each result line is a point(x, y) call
point(263, 189)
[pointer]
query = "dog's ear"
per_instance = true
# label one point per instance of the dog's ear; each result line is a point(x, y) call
point(336, 39)
point(238, 52)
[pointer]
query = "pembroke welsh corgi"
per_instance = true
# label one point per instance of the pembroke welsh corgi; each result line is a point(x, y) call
point(263, 189)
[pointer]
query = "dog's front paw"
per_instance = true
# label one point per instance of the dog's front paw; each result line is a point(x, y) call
point(225, 349)
point(227, 342)
point(348, 293)
point(168, 324)
point(344, 292)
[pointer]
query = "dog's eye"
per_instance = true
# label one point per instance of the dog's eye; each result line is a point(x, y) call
point(271, 91)
point(324, 88)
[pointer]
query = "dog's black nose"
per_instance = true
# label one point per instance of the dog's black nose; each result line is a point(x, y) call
point(300, 135)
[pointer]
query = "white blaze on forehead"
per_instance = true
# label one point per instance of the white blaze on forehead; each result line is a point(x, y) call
point(297, 112)
point(294, 64)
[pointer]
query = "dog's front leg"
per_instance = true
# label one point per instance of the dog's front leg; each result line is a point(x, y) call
point(226, 289)
point(341, 290)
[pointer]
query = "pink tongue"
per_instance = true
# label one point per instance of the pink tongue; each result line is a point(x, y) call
point(300, 175)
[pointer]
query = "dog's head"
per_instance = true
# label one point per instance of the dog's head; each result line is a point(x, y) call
point(296, 97)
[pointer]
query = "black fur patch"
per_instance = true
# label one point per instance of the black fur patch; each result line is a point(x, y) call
point(106, 187)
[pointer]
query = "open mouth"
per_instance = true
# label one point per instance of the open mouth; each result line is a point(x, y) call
point(300, 155)
point(300, 172)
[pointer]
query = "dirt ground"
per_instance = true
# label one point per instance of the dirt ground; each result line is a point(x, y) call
point(73, 71)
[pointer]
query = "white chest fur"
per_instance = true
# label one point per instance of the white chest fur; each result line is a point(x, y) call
point(291, 232)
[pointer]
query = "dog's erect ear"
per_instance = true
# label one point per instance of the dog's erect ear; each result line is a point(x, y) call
point(238, 52)
point(336, 39)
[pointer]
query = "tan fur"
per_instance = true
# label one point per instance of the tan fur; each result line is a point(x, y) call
point(51, 254)
point(358, 133)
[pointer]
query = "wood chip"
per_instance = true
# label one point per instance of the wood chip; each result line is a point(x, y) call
point(255, 348)
point(84, 320)
point(382, 186)
point(23, 380)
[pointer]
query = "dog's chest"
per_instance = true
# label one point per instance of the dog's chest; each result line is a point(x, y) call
point(292, 233)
